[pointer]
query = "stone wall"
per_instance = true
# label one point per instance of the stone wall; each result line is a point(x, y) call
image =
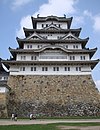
point(53, 95)
point(3, 105)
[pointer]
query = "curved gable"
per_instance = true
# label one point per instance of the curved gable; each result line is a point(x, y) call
point(56, 47)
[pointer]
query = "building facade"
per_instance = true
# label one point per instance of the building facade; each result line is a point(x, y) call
point(51, 69)
point(4, 89)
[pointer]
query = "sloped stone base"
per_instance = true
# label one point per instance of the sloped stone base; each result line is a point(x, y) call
point(53, 95)
point(3, 105)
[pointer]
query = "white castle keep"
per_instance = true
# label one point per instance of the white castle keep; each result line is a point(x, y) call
point(52, 48)
point(50, 71)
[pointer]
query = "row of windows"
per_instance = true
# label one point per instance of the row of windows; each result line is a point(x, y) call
point(73, 57)
point(29, 46)
point(46, 25)
point(40, 46)
point(32, 57)
point(59, 37)
point(54, 69)
point(3, 78)
point(53, 57)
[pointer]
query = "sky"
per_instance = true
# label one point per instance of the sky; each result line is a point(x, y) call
point(16, 14)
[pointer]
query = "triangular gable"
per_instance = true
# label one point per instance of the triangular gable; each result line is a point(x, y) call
point(70, 36)
point(52, 27)
point(34, 36)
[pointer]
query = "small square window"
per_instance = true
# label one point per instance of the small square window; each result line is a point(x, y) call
point(76, 46)
point(23, 57)
point(55, 68)
point(42, 25)
point(84, 57)
point(46, 68)
point(30, 46)
point(32, 57)
point(73, 57)
point(79, 68)
point(27, 46)
point(65, 68)
point(22, 68)
point(68, 68)
point(42, 68)
point(31, 68)
point(46, 25)
point(76, 68)
point(34, 68)
point(73, 46)
point(66, 46)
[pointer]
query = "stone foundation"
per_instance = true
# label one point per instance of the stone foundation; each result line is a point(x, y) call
point(53, 95)
point(3, 105)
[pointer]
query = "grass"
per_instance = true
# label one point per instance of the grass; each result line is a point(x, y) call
point(45, 127)
point(29, 127)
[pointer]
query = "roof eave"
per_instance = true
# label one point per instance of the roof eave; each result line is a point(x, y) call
point(93, 51)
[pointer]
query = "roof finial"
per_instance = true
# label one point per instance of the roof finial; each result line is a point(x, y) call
point(38, 15)
point(65, 15)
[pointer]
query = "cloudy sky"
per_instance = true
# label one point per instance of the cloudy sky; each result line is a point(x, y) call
point(15, 14)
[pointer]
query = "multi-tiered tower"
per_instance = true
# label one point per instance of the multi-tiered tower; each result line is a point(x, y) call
point(50, 71)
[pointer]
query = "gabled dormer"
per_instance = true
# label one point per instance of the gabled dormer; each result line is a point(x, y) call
point(53, 26)
point(35, 36)
point(70, 36)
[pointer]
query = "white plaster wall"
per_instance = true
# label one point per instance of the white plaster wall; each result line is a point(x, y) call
point(63, 25)
point(18, 57)
point(61, 56)
point(51, 73)
point(14, 68)
point(52, 56)
point(77, 57)
point(25, 45)
point(70, 45)
point(84, 70)
point(28, 57)
point(52, 36)
point(35, 46)
point(3, 90)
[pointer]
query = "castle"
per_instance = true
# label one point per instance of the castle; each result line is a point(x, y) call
point(50, 71)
